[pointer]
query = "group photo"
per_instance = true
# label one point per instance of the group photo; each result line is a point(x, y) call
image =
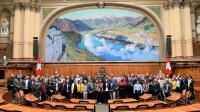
point(99, 55)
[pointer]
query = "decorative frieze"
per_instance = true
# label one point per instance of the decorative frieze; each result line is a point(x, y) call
point(27, 6)
point(176, 3)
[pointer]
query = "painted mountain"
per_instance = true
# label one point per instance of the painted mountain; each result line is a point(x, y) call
point(101, 35)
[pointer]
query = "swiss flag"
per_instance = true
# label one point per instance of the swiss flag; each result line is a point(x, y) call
point(39, 68)
point(168, 67)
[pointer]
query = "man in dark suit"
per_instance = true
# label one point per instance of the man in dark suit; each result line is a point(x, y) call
point(10, 83)
point(167, 88)
point(106, 88)
point(67, 88)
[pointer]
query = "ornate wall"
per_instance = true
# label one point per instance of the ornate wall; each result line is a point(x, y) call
point(33, 17)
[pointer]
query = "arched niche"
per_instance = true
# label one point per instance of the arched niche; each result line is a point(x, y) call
point(4, 22)
point(149, 14)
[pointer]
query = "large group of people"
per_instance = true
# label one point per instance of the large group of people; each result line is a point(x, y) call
point(101, 88)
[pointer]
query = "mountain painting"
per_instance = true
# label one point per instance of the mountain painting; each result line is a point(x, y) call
point(102, 35)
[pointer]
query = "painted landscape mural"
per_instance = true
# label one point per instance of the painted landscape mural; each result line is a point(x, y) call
point(102, 35)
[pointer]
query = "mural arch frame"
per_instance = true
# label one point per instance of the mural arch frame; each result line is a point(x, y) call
point(140, 9)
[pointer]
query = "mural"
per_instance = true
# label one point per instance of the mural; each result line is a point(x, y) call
point(102, 35)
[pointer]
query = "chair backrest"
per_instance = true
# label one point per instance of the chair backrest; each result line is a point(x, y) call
point(158, 106)
point(141, 107)
point(61, 107)
point(47, 106)
point(83, 102)
point(118, 101)
point(34, 104)
point(122, 108)
point(173, 104)
point(80, 107)
point(184, 93)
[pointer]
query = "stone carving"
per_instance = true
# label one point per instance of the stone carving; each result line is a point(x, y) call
point(175, 3)
point(4, 26)
point(198, 25)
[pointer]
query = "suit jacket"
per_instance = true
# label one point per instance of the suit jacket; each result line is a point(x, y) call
point(104, 86)
point(168, 87)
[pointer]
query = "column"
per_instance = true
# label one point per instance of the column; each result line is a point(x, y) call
point(165, 20)
point(32, 30)
point(17, 32)
point(188, 50)
point(172, 31)
point(27, 26)
point(177, 31)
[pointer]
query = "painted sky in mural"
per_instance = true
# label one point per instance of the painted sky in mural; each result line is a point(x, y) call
point(102, 35)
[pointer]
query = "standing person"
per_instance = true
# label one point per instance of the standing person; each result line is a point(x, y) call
point(80, 89)
point(190, 87)
point(101, 100)
point(167, 89)
point(50, 90)
point(113, 89)
point(74, 89)
point(145, 86)
point(90, 89)
point(97, 90)
point(10, 84)
point(85, 91)
point(137, 90)
point(106, 88)
point(122, 88)
point(42, 91)
point(27, 84)
point(67, 89)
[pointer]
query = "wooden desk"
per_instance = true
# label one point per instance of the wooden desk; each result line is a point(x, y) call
point(2, 92)
point(146, 96)
point(126, 100)
point(69, 105)
point(31, 98)
point(11, 107)
point(188, 108)
point(174, 96)
point(73, 100)
point(58, 97)
point(134, 105)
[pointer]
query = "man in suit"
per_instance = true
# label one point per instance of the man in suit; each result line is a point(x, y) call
point(27, 85)
point(10, 84)
point(167, 88)
point(106, 88)
point(67, 88)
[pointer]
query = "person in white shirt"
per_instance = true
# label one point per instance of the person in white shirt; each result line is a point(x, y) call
point(26, 85)
point(85, 90)
point(137, 90)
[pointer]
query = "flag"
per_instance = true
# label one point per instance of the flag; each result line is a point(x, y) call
point(39, 68)
point(168, 67)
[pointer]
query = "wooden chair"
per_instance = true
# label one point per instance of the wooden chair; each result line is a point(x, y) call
point(61, 107)
point(34, 104)
point(118, 101)
point(67, 101)
point(48, 106)
point(83, 102)
point(122, 108)
point(80, 108)
point(172, 104)
point(158, 106)
point(184, 98)
point(142, 107)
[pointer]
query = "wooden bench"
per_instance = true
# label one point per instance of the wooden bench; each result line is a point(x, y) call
point(135, 105)
point(73, 100)
point(146, 96)
point(125, 100)
point(188, 108)
point(90, 107)
point(31, 98)
point(14, 107)
point(2, 93)
point(58, 97)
